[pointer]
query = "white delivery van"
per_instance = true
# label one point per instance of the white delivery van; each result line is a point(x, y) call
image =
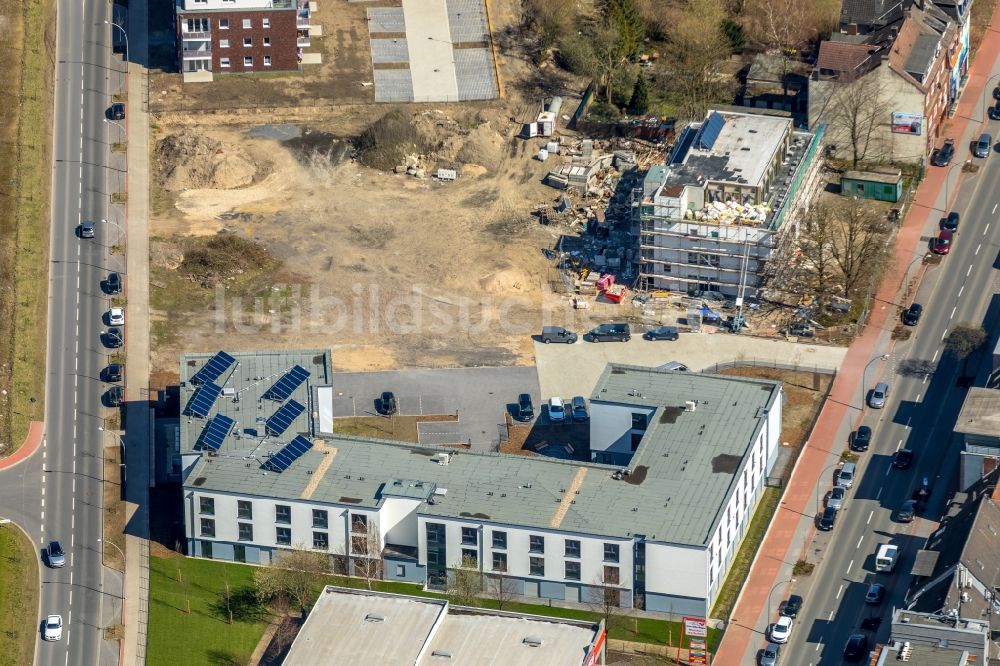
point(885, 557)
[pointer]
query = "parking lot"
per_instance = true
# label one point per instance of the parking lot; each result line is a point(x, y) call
point(479, 396)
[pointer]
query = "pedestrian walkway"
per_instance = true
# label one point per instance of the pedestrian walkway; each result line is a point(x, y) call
point(36, 432)
point(792, 525)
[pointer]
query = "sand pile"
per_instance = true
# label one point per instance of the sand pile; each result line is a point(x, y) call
point(188, 161)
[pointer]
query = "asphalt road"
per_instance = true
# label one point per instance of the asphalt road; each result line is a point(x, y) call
point(919, 416)
point(70, 484)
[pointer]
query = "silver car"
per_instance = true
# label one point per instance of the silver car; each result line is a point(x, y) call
point(837, 497)
point(879, 394)
point(769, 657)
point(57, 558)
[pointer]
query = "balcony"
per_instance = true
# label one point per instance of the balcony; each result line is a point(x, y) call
point(206, 35)
point(197, 53)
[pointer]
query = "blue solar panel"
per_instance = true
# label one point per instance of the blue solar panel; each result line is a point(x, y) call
point(294, 450)
point(214, 368)
point(281, 419)
point(216, 432)
point(202, 400)
point(710, 131)
point(290, 381)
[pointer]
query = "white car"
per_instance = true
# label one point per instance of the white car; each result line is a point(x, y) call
point(53, 628)
point(116, 316)
point(557, 410)
point(782, 629)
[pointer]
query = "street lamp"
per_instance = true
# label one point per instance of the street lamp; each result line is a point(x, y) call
point(102, 542)
point(780, 582)
point(821, 483)
point(121, 230)
point(864, 376)
point(986, 99)
point(947, 185)
point(125, 35)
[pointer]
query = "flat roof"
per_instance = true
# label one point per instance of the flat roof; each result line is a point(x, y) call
point(682, 472)
point(891, 177)
point(980, 413)
point(358, 626)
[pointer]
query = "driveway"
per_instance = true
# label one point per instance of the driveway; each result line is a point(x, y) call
point(479, 396)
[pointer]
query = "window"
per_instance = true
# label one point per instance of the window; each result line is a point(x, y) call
point(282, 514)
point(267, 41)
point(207, 505)
point(572, 570)
point(246, 24)
point(572, 548)
point(247, 42)
point(638, 421)
point(206, 549)
point(246, 531)
point(610, 552)
point(196, 25)
point(611, 575)
point(320, 518)
point(223, 43)
point(208, 527)
point(499, 539)
point(239, 553)
point(223, 24)
point(536, 544)
point(470, 536)
point(321, 541)
point(244, 509)
point(537, 566)
point(267, 61)
point(224, 63)
point(400, 568)
point(499, 561)
point(359, 523)
point(470, 558)
point(284, 536)
point(247, 61)
point(267, 23)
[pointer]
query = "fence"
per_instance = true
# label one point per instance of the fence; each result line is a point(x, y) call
point(800, 172)
point(763, 363)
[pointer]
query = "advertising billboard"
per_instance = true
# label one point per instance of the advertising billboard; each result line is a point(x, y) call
point(695, 626)
point(907, 123)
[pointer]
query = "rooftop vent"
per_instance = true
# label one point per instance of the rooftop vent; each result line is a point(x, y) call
point(443, 458)
point(200, 481)
point(441, 654)
point(690, 405)
point(374, 617)
point(532, 641)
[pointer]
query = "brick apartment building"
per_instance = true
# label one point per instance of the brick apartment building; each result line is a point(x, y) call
point(222, 36)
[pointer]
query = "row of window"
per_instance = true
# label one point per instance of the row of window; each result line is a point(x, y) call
point(247, 42)
point(202, 25)
point(536, 544)
point(536, 566)
point(283, 535)
point(247, 61)
point(282, 513)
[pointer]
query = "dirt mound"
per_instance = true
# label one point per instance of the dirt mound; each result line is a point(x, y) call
point(386, 142)
point(188, 160)
point(482, 147)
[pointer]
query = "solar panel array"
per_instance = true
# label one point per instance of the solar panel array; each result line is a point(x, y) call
point(710, 131)
point(281, 419)
point(216, 432)
point(290, 381)
point(292, 451)
point(213, 369)
point(203, 399)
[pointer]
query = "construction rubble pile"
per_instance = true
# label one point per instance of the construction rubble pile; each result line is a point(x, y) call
point(731, 212)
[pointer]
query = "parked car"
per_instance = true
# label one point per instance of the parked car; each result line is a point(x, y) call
point(912, 314)
point(878, 396)
point(557, 411)
point(922, 493)
point(902, 459)
point(57, 558)
point(856, 648)
point(828, 519)
point(769, 656)
point(951, 222)
point(996, 93)
point(611, 332)
point(802, 330)
point(87, 229)
point(113, 373)
point(114, 283)
point(875, 594)
point(674, 366)
point(781, 630)
point(113, 338)
point(942, 156)
point(846, 474)
point(118, 111)
point(557, 334)
point(52, 628)
point(662, 333)
point(861, 439)
point(983, 146)
point(994, 111)
point(116, 316)
point(836, 498)
point(115, 396)
point(579, 409)
point(525, 410)
point(791, 607)
point(387, 405)
point(907, 511)
point(941, 244)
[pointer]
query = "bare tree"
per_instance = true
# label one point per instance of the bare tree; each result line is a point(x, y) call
point(858, 242)
point(500, 587)
point(292, 575)
point(855, 108)
point(605, 596)
point(364, 558)
point(964, 339)
point(816, 244)
point(780, 24)
point(696, 51)
point(465, 583)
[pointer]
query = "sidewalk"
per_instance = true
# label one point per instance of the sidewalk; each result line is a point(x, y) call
point(792, 527)
point(33, 440)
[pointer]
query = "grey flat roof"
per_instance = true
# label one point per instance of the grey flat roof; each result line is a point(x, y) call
point(683, 470)
point(357, 626)
point(891, 177)
point(250, 378)
point(980, 413)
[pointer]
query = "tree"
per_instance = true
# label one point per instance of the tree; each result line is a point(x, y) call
point(696, 52)
point(735, 34)
point(606, 47)
point(639, 103)
point(964, 339)
point(292, 575)
point(500, 587)
point(854, 108)
point(858, 242)
point(816, 245)
point(605, 596)
point(465, 583)
point(365, 557)
point(781, 24)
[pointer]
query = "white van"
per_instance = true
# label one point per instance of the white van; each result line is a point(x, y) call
point(885, 557)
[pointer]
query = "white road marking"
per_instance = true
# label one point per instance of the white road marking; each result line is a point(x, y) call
point(918, 397)
point(994, 209)
point(72, 521)
point(968, 272)
point(74, 504)
point(849, 565)
point(859, 542)
point(987, 227)
point(978, 248)
point(963, 286)
point(74, 485)
point(933, 359)
point(869, 521)
point(43, 502)
point(43, 492)
point(953, 310)
point(837, 596)
point(944, 333)
point(830, 619)
point(900, 444)
point(43, 515)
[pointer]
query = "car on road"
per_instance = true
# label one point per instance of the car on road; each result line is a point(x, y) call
point(836, 497)
point(57, 558)
point(875, 594)
point(912, 314)
point(114, 283)
point(113, 338)
point(387, 405)
point(941, 244)
point(828, 519)
point(525, 410)
point(579, 409)
point(781, 630)
point(113, 373)
point(769, 656)
point(557, 334)
point(907, 511)
point(557, 410)
point(791, 607)
point(115, 396)
point(983, 146)
point(951, 222)
point(922, 493)
point(861, 439)
point(612, 333)
point(846, 474)
point(116, 316)
point(856, 648)
point(996, 93)
point(994, 111)
point(878, 396)
point(902, 459)
point(942, 156)
point(117, 111)
point(87, 229)
point(52, 628)
point(662, 333)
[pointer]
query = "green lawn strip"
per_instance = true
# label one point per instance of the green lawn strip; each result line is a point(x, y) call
point(740, 569)
point(19, 620)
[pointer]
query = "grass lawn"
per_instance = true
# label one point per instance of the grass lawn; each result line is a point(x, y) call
point(397, 428)
point(19, 620)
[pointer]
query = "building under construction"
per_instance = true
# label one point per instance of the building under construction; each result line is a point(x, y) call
point(711, 218)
